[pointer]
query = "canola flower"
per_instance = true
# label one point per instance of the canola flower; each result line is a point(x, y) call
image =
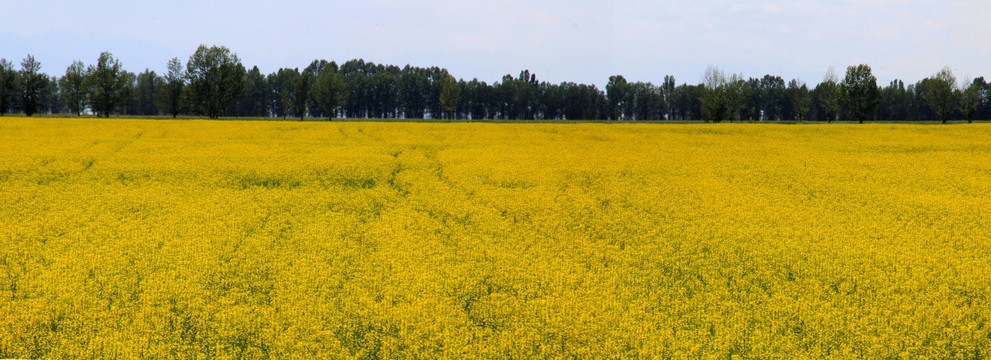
point(229, 239)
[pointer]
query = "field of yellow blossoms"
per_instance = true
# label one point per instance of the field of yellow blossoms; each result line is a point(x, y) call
point(254, 239)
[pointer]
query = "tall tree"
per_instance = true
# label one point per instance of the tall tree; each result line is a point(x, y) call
point(829, 93)
point(33, 86)
point(146, 89)
point(255, 97)
point(670, 97)
point(356, 82)
point(108, 85)
point(860, 92)
point(939, 93)
point(8, 82)
point(645, 101)
point(301, 94)
point(504, 93)
point(130, 105)
point(895, 102)
point(170, 97)
point(412, 92)
point(574, 100)
point(798, 94)
point(737, 91)
point(450, 95)
point(690, 101)
point(971, 98)
point(714, 95)
point(72, 87)
point(329, 90)
point(216, 79)
point(773, 96)
point(477, 96)
point(282, 84)
point(53, 99)
point(551, 101)
point(313, 70)
point(755, 100)
point(383, 91)
point(616, 91)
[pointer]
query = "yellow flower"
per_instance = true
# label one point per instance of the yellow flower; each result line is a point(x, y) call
point(199, 239)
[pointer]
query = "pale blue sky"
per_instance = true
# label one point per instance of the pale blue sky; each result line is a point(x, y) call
point(559, 40)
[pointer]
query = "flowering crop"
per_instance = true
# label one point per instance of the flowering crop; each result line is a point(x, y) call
point(201, 239)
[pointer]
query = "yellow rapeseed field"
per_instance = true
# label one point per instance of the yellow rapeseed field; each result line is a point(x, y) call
point(239, 239)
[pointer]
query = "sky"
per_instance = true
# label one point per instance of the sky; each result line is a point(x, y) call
point(558, 40)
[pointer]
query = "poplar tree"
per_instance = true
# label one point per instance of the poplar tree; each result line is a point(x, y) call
point(216, 79)
point(170, 97)
point(939, 93)
point(34, 83)
point(108, 85)
point(329, 90)
point(860, 92)
point(72, 87)
point(8, 82)
point(450, 95)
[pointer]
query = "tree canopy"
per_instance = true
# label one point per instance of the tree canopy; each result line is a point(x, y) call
point(939, 92)
point(214, 83)
point(107, 85)
point(860, 91)
point(216, 79)
point(33, 85)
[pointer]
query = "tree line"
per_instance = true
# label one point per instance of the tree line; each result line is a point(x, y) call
point(213, 83)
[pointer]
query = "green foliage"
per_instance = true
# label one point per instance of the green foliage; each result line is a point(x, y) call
point(644, 101)
point(313, 107)
point(413, 84)
point(829, 93)
point(714, 102)
point(773, 97)
point(215, 83)
point(329, 90)
point(670, 95)
point(477, 96)
point(737, 91)
point(72, 87)
point(800, 99)
point(860, 92)
point(301, 94)
point(148, 85)
point(939, 93)
point(282, 85)
point(254, 99)
point(52, 98)
point(130, 103)
point(8, 82)
point(107, 83)
point(450, 95)
point(216, 79)
point(616, 90)
point(972, 97)
point(170, 95)
point(896, 101)
point(689, 101)
point(34, 83)
point(581, 101)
